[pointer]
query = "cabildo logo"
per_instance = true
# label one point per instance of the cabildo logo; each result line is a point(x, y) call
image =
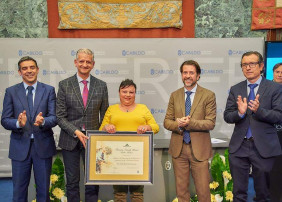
point(140, 92)
point(29, 52)
point(73, 52)
point(211, 71)
point(133, 52)
point(6, 72)
point(189, 52)
point(161, 71)
point(236, 52)
point(137, 52)
point(106, 72)
point(53, 72)
point(157, 111)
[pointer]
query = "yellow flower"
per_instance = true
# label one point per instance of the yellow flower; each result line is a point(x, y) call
point(58, 193)
point(229, 196)
point(53, 178)
point(33, 200)
point(175, 200)
point(227, 175)
point(214, 185)
point(212, 198)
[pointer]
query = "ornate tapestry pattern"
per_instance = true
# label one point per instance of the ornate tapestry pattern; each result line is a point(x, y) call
point(105, 14)
point(266, 14)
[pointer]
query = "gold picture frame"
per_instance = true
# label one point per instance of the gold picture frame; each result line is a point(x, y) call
point(122, 158)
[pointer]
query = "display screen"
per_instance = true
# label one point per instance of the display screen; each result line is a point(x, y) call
point(273, 55)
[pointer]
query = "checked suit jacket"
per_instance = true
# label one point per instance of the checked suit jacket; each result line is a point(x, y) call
point(70, 111)
point(203, 116)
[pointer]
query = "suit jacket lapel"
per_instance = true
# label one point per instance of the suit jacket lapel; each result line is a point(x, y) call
point(21, 93)
point(196, 100)
point(182, 101)
point(40, 89)
point(262, 87)
point(76, 89)
point(244, 92)
point(91, 89)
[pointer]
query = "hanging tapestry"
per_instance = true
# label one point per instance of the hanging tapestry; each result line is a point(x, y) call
point(108, 14)
point(266, 14)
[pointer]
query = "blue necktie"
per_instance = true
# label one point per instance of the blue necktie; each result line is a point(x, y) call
point(251, 97)
point(186, 136)
point(30, 99)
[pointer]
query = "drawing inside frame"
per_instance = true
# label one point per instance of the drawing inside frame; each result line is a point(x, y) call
point(122, 158)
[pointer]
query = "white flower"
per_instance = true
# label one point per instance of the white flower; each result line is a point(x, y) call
point(218, 198)
point(64, 199)
point(222, 158)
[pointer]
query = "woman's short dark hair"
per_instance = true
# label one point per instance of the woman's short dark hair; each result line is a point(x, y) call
point(193, 63)
point(126, 83)
point(26, 58)
point(277, 65)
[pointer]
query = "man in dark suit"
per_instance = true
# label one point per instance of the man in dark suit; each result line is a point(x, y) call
point(190, 144)
point(254, 105)
point(29, 112)
point(82, 101)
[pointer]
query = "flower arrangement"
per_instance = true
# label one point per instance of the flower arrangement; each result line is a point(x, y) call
point(222, 185)
point(57, 182)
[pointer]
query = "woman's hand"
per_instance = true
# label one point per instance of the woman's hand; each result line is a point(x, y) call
point(110, 128)
point(143, 128)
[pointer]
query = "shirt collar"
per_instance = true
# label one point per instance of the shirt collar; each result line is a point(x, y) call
point(193, 89)
point(34, 85)
point(257, 82)
point(80, 79)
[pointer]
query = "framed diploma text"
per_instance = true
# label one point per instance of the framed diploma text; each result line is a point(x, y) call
point(122, 158)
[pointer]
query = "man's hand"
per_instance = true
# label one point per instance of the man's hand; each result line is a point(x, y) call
point(81, 137)
point(22, 119)
point(110, 128)
point(183, 122)
point(242, 104)
point(39, 119)
point(254, 104)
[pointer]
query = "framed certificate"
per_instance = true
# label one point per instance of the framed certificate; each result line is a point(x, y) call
point(122, 158)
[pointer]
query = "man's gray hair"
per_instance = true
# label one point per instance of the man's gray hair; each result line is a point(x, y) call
point(86, 51)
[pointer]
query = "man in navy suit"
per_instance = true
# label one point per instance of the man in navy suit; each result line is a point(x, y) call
point(254, 106)
point(29, 112)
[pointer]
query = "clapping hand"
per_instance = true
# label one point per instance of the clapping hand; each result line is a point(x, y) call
point(22, 119)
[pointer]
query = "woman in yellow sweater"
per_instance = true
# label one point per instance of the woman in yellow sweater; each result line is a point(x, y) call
point(128, 116)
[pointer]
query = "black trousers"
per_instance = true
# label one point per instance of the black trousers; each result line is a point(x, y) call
point(240, 163)
point(72, 170)
point(276, 176)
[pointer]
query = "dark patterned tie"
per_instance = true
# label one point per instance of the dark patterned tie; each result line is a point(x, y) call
point(251, 97)
point(186, 136)
point(30, 99)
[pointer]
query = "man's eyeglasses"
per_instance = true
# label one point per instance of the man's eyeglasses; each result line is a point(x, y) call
point(251, 64)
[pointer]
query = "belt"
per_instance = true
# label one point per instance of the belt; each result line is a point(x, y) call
point(250, 139)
